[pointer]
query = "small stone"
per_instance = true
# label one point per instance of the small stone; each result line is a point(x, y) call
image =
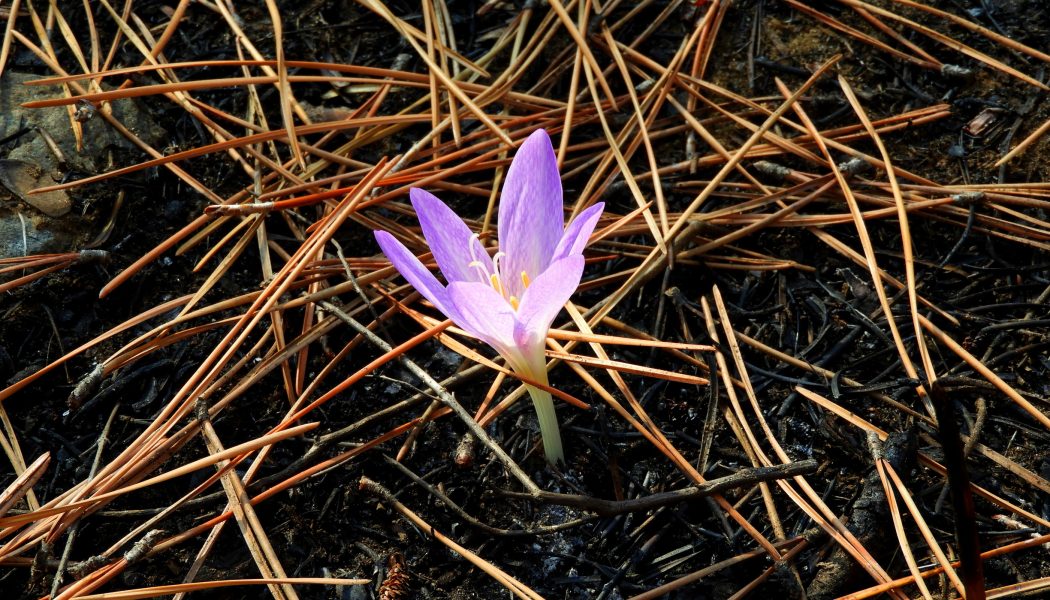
point(21, 177)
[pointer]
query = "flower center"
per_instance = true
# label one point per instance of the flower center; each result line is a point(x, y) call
point(494, 279)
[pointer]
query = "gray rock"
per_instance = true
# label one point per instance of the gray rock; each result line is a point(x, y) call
point(40, 150)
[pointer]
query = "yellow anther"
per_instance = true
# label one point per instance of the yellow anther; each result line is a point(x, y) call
point(514, 302)
point(525, 278)
point(496, 283)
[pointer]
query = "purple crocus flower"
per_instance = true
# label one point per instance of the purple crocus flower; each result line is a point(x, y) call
point(508, 300)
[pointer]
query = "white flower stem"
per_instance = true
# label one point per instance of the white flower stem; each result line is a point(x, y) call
point(548, 419)
point(529, 360)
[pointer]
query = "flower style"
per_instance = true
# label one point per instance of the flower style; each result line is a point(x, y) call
point(508, 300)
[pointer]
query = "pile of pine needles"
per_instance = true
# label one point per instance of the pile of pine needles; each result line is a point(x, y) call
point(825, 235)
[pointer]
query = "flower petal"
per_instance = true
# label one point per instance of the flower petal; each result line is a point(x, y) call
point(413, 270)
point(530, 211)
point(544, 299)
point(449, 238)
point(574, 240)
point(483, 313)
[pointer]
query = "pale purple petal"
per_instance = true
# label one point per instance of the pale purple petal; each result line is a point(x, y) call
point(483, 313)
point(413, 270)
point(574, 240)
point(449, 238)
point(545, 297)
point(530, 211)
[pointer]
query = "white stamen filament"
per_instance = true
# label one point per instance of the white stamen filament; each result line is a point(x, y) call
point(470, 246)
point(495, 264)
point(476, 264)
point(493, 278)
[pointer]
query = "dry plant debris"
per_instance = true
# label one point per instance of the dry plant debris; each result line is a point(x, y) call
point(825, 236)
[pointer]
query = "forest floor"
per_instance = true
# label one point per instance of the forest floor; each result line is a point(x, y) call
point(824, 248)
